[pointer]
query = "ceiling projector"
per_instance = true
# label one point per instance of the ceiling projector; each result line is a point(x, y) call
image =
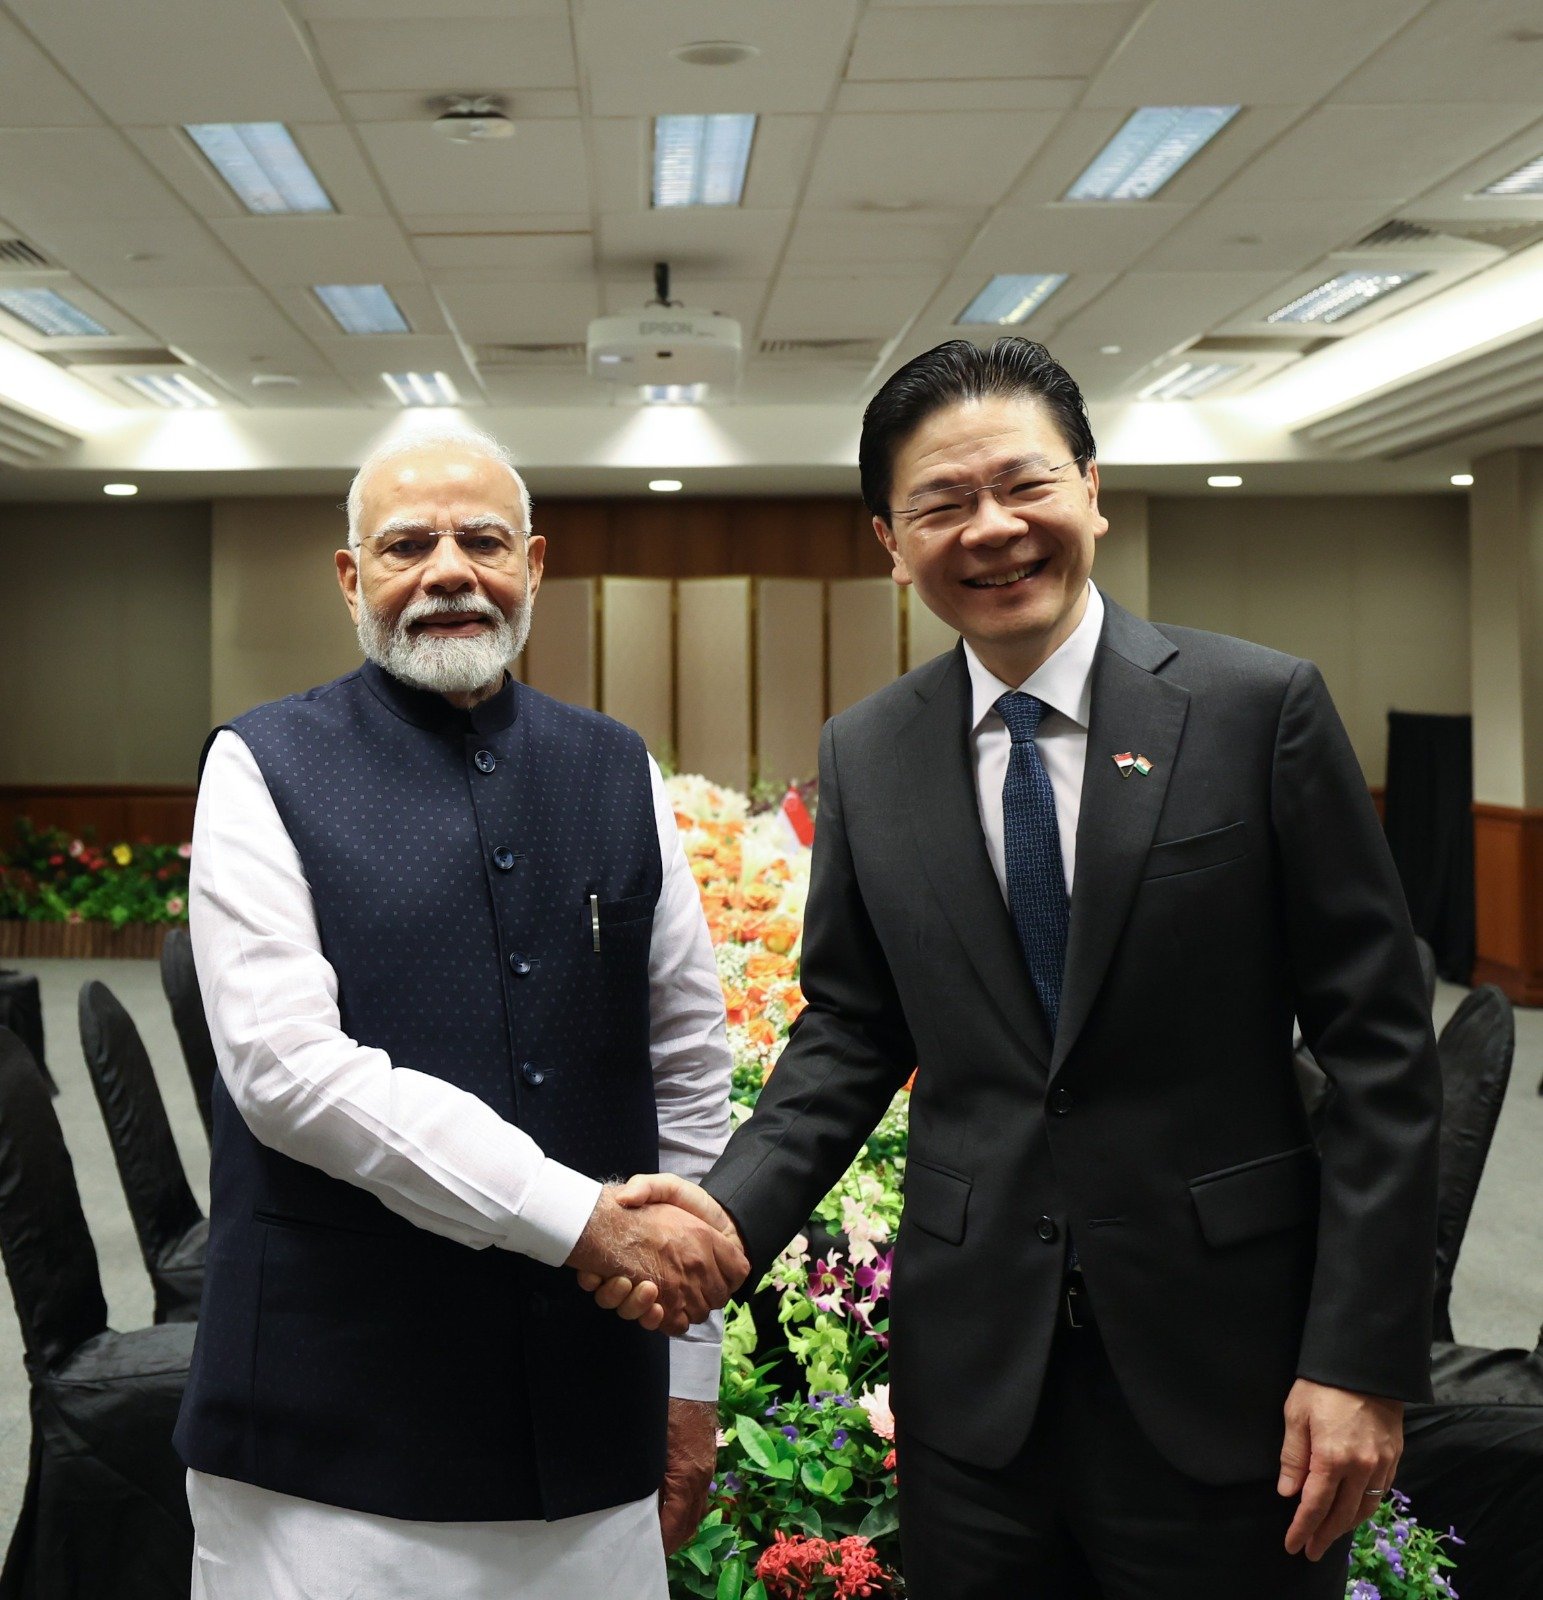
point(665, 343)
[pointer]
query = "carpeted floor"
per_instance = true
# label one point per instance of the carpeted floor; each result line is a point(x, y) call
point(1497, 1300)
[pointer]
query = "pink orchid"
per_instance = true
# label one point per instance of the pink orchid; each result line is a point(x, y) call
point(875, 1279)
point(875, 1402)
point(828, 1284)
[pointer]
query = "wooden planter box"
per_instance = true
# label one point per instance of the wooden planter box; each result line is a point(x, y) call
point(94, 941)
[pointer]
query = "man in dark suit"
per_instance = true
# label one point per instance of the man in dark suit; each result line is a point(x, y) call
point(1084, 871)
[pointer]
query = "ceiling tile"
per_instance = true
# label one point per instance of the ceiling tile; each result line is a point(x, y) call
point(320, 249)
point(740, 298)
point(961, 94)
point(958, 41)
point(862, 238)
point(937, 160)
point(852, 307)
point(549, 313)
point(1289, 52)
point(425, 175)
point(446, 55)
point(183, 60)
point(1166, 308)
point(1068, 237)
point(430, 224)
point(33, 92)
point(228, 315)
point(1227, 234)
point(505, 257)
point(412, 105)
point(426, 10)
point(626, 49)
point(709, 243)
point(936, 323)
point(67, 173)
point(1456, 48)
point(166, 252)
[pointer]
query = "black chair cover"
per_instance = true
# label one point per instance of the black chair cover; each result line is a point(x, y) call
point(180, 981)
point(1475, 1048)
point(1428, 817)
point(173, 1232)
point(21, 1010)
point(104, 1516)
point(1427, 968)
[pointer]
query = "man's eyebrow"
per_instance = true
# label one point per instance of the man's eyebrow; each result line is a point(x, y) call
point(477, 524)
point(948, 481)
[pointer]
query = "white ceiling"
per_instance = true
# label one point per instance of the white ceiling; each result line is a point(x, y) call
point(905, 153)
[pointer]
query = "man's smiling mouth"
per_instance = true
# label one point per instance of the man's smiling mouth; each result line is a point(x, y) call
point(1003, 580)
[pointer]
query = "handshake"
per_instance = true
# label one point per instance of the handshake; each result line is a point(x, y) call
point(660, 1251)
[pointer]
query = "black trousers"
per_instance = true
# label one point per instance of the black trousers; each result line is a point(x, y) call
point(1090, 1511)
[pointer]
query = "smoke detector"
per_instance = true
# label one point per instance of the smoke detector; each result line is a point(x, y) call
point(472, 119)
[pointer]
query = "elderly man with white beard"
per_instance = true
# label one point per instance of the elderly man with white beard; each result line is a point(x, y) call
point(457, 976)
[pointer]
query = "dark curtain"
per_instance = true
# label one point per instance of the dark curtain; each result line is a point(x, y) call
point(1429, 819)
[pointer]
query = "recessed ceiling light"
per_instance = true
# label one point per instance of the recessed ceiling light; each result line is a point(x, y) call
point(1109, 349)
point(1188, 379)
point(1462, 480)
point(50, 313)
point(1526, 179)
point(701, 160)
point(1154, 143)
point(674, 394)
point(715, 53)
point(170, 390)
point(121, 489)
point(275, 380)
point(362, 307)
point(262, 164)
point(1011, 298)
point(665, 485)
point(1342, 295)
point(422, 388)
point(1225, 480)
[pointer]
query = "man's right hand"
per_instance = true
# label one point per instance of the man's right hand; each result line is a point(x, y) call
point(656, 1260)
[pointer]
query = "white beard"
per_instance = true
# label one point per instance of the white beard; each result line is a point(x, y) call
point(445, 666)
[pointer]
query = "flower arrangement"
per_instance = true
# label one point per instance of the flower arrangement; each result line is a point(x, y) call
point(803, 1506)
point(51, 876)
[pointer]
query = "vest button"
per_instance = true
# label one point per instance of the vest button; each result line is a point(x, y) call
point(503, 858)
point(532, 1074)
point(1061, 1102)
point(1047, 1230)
point(485, 760)
point(519, 966)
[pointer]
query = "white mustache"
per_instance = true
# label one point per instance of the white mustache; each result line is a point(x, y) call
point(456, 605)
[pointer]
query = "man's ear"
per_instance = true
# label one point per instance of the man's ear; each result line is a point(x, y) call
point(347, 563)
point(535, 563)
point(900, 573)
point(1091, 478)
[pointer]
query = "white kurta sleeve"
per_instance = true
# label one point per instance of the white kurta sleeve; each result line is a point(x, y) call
point(692, 1067)
point(433, 1153)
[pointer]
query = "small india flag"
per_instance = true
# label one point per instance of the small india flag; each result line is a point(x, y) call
point(1143, 766)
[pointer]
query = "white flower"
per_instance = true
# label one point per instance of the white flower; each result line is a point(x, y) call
point(875, 1402)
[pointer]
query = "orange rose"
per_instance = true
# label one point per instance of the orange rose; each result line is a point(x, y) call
point(781, 936)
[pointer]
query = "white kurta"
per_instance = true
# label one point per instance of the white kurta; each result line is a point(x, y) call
point(448, 1162)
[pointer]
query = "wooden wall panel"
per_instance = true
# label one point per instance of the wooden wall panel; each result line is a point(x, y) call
point(637, 657)
point(559, 660)
point(925, 635)
point(1508, 893)
point(713, 679)
point(113, 813)
point(789, 676)
point(864, 639)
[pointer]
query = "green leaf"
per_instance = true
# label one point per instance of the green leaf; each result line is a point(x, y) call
point(756, 1591)
point(813, 1477)
point(698, 1557)
point(731, 1580)
point(836, 1482)
point(757, 1443)
point(879, 1521)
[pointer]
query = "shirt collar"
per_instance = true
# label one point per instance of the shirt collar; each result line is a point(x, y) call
point(426, 709)
point(1064, 682)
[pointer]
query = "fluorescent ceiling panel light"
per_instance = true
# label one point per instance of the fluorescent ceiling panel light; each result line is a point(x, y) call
point(170, 390)
point(701, 160)
point(262, 164)
point(1153, 144)
point(1525, 180)
point(1188, 379)
point(362, 307)
point(1011, 298)
point(665, 485)
point(120, 490)
point(1343, 295)
point(674, 394)
point(1225, 480)
point(422, 388)
point(50, 313)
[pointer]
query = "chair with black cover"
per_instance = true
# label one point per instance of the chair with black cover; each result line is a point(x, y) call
point(173, 1232)
point(180, 981)
point(1421, 949)
point(1475, 1047)
point(105, 1510)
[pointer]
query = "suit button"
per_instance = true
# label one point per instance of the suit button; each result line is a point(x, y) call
point(1061, 1102)
point(503, 858)
point(485, 760)
point(532, 1074)
point(519, 966)
point(1048, 1231)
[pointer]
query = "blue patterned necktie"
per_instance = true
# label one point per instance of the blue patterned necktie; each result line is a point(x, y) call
point(1036, 878)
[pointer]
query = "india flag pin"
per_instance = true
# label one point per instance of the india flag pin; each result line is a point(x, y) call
point(1125, 761)
point(1142, 765)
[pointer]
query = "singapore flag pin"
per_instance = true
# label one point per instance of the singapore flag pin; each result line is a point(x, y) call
point(1126, 762)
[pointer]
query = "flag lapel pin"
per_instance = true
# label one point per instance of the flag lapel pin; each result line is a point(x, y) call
point(1126, 762)
point(1142, 765)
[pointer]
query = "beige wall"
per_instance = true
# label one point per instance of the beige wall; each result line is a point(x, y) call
point(1374, 589)
point(104, 643)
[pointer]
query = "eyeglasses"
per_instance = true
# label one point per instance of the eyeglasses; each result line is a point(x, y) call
point(492, 545)
point(944, 509)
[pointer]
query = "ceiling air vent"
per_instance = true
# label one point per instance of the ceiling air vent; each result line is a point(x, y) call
point(1508, 234)
point(18, 255)
point(1392, 234)
point(502, 357)
point(25, 441)
point(866, 350)
point(119, 356)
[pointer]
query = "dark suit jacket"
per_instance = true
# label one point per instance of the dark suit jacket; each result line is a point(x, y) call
point(1243, 881)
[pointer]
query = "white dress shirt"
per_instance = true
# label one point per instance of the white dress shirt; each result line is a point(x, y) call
point(1065, 684)
point(435, 1154)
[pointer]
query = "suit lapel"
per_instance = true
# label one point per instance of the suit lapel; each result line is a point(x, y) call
point(937, 774)
point(1133, 711)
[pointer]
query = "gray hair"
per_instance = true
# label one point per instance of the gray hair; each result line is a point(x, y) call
point(426, 436)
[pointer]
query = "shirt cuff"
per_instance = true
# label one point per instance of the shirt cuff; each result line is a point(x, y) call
point(557, 1208)
point(695, 1367)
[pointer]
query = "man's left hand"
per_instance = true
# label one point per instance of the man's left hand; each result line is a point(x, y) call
point(691, 1452)
point(1340, 1454)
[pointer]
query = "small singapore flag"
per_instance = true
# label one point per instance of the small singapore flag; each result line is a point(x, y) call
point(795, 815)
point(1125, 761)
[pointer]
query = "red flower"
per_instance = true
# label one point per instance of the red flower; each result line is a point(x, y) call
point(792, 1567)
point(56, 861)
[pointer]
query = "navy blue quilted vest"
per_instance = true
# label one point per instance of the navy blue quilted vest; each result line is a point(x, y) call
point(345, 1355)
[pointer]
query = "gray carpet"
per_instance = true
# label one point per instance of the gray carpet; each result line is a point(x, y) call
point(1497, 1299)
